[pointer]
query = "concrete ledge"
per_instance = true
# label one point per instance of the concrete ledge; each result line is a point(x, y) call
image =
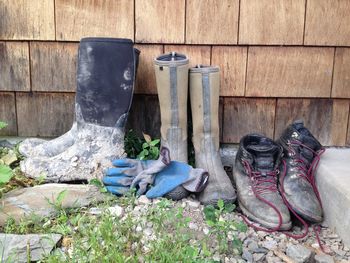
point(333, 181)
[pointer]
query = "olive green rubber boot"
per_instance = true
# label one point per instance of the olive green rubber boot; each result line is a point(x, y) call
point(204, 93)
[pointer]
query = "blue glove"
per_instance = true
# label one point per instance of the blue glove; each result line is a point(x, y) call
point(163, 174)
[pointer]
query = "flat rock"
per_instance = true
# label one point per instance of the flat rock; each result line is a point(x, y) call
point(14, 248)
point(322, 258)
point(39, 200)
point(299, 253)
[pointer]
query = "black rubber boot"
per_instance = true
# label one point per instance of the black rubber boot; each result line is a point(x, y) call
point(301, 154)
point(256, 176)
point(35, 147)
point(105, 84)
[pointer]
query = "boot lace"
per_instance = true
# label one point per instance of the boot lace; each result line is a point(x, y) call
point(307, 172)
point(262, 183)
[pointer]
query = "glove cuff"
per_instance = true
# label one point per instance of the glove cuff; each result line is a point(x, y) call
point(197, 180)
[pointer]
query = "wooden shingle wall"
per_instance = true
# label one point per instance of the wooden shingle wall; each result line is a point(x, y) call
point(280, 60)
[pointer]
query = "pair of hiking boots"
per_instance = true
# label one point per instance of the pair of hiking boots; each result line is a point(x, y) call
point(276, 178)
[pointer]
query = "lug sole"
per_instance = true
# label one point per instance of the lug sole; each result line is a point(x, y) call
point(269, 225)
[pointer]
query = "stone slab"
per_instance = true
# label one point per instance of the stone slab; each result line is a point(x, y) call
point(25, 248)
point(333, 181)
point(40, 200)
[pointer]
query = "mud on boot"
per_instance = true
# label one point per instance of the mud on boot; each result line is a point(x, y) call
point(301, 153)
point(256, 177)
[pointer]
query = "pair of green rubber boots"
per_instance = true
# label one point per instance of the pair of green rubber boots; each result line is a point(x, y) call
point(174, 81)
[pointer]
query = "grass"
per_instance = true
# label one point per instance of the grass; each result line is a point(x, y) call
point(107, 238)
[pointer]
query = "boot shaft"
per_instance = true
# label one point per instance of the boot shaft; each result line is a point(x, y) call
point(105, 80)
point(204, 93)
point(172, 85)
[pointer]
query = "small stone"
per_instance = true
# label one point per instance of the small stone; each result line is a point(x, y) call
point(144, 200)
point(148, 231)
point(258, 257)
point(138, 228)
point(247, 255)
point(270, 244)
point(194, 204)
point(332, 236)
point(322, 258)
point(346, 249)
point(116, 210)
point(253, 246)
point(262, 234)
point(216, 257)
point(206, 230)
point(242, 236)
point(193, 226)
point(95, 211)
point(315, 245)
point(299, 253)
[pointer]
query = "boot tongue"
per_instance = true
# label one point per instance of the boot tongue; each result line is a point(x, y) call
point(307, 139)
point(264, 160)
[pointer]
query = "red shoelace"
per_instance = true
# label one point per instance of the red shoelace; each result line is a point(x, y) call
point(263, 183)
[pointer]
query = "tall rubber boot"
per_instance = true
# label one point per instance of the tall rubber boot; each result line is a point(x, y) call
point(204, 93)
point(48, 148)
point(172, 84)
point(105, 83)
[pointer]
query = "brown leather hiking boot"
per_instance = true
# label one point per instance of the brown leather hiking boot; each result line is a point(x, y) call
point(301, 153)
point(256, 176)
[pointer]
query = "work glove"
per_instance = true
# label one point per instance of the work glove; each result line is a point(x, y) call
point(163, 175)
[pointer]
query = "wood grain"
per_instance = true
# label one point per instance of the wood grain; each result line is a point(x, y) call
point(289, 72)
point(146, 79)
point(144, 116)
point(8, 113)
point(341, 77)
point(14, 66)
point(53, 66)
point(232, 62)
point(243, 116)
point(196, 54)
point(272, 22)
point(327, 23)
point(325, 118)
point(212, 21)
point(44, 114)
point(23, 19)
point(76, 19)
point(160, 21)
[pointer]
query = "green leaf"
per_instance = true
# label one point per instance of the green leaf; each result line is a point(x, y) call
point(154, 142)
point(3, 125)
point(145, 145)
point(96, 182)
point(60, 197)
point(209, 213)
point(221, 204)
point(6, 174)
point(147, 137)
point(229, 208)
point(241, 227)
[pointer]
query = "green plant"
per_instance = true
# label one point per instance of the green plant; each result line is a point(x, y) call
point(150, 149)
point(3, 125)
point(221, 228)
point(142, 148)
